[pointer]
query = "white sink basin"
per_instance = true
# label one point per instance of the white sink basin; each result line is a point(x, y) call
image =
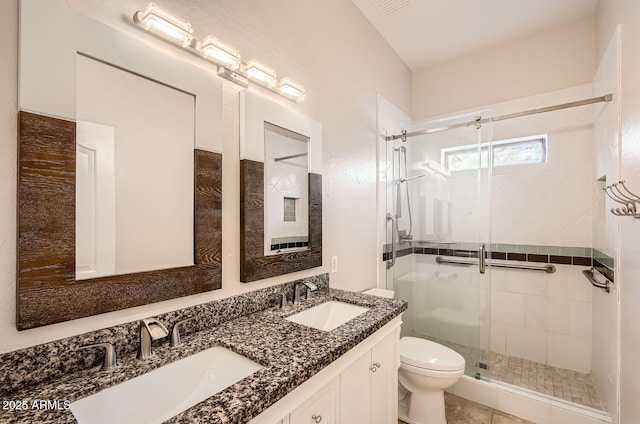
point(165, 392)
point(328, 315)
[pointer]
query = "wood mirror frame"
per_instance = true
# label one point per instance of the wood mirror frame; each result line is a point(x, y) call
point(47, 291)
point(254, 265)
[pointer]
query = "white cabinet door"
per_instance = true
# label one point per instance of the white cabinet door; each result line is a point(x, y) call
point(369, 387)
point(384, 386)
point(319, 409)
point(355, 391)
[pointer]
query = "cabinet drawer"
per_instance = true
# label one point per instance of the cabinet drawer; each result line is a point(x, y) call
point(320, 409)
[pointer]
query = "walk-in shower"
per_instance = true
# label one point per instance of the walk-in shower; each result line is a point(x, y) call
point(486, 243)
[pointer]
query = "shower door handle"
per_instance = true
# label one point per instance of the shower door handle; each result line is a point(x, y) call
point(481, 260)
point(393, 240)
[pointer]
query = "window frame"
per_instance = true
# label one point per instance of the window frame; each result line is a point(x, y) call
point(489, 147)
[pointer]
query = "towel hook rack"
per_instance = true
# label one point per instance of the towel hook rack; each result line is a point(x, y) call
point(619, 193)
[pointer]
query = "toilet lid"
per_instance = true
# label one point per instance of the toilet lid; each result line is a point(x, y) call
point(426, 354)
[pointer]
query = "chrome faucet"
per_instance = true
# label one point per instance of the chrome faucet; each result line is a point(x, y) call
point(109, 362)
point(150, 329)
point(311, 287)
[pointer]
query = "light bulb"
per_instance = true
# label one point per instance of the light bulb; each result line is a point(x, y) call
point(216, 51)
point(261, 74)
point(165, 24)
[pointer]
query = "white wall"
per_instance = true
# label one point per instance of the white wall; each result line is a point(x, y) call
point(606, 227)
point(609, 14)
point(328, 47)
point(555, 59)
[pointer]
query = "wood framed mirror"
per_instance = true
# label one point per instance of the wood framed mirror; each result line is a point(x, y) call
point(280, 186)
point(48, 290)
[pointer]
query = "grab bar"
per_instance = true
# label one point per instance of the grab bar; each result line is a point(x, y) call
point(435, 242)
point(548, 268)
point(393, 241)
point(589, 274)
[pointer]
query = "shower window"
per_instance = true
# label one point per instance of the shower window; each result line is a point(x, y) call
point(516, 151)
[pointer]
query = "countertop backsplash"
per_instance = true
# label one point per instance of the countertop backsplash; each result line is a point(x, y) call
point(50, 361)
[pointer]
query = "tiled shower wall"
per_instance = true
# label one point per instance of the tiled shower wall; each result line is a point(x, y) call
point(533, 315)
point(542, 317)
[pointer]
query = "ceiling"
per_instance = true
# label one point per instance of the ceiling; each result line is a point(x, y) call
point(426, 32)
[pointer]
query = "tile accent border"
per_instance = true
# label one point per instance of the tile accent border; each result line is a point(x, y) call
point(53, 360)
point(604, 264)
point(579, 256)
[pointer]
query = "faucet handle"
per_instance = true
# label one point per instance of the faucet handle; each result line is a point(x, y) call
point(110, 361)
point(156, 329)
point(176, 340)
point(283, 301)
point(311, 287)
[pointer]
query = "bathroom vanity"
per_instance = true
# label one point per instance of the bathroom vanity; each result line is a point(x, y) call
point(347, 375)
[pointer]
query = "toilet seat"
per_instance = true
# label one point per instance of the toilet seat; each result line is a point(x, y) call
point(427, 355)
point(434, 374)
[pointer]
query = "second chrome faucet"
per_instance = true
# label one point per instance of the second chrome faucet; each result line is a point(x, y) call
point(151, 329)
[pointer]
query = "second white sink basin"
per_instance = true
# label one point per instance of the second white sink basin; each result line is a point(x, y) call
point(328, 315)
point(165, 392)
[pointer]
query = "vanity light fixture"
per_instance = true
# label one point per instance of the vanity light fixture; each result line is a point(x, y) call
point(291, 90)
point(261, 74)
point(171, 27)
point(165, 24)
point(218, 52)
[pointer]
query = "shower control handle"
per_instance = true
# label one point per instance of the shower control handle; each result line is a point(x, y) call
point(481, 259)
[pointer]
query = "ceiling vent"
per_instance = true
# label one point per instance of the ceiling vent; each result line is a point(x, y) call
point(389, 7)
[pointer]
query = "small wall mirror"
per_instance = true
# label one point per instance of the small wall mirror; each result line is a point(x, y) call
point(286, 190)
point(281, 189)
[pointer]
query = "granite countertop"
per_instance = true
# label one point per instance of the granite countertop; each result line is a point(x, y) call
point(290, 353)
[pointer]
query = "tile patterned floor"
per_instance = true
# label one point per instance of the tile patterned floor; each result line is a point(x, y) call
point(561, 383)
point(463, 411)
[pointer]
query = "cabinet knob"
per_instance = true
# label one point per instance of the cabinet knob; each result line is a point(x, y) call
point(376, 364)
point(317, 418)
point(372, 368)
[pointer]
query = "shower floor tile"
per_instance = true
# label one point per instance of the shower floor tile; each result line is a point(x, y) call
point(561, 383)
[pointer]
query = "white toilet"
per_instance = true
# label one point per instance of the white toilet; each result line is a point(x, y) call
point(426, 369)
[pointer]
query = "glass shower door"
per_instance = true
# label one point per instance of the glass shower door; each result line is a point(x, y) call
point(438, 212)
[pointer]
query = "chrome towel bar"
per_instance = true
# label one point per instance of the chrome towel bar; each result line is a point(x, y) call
point(548, 268)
